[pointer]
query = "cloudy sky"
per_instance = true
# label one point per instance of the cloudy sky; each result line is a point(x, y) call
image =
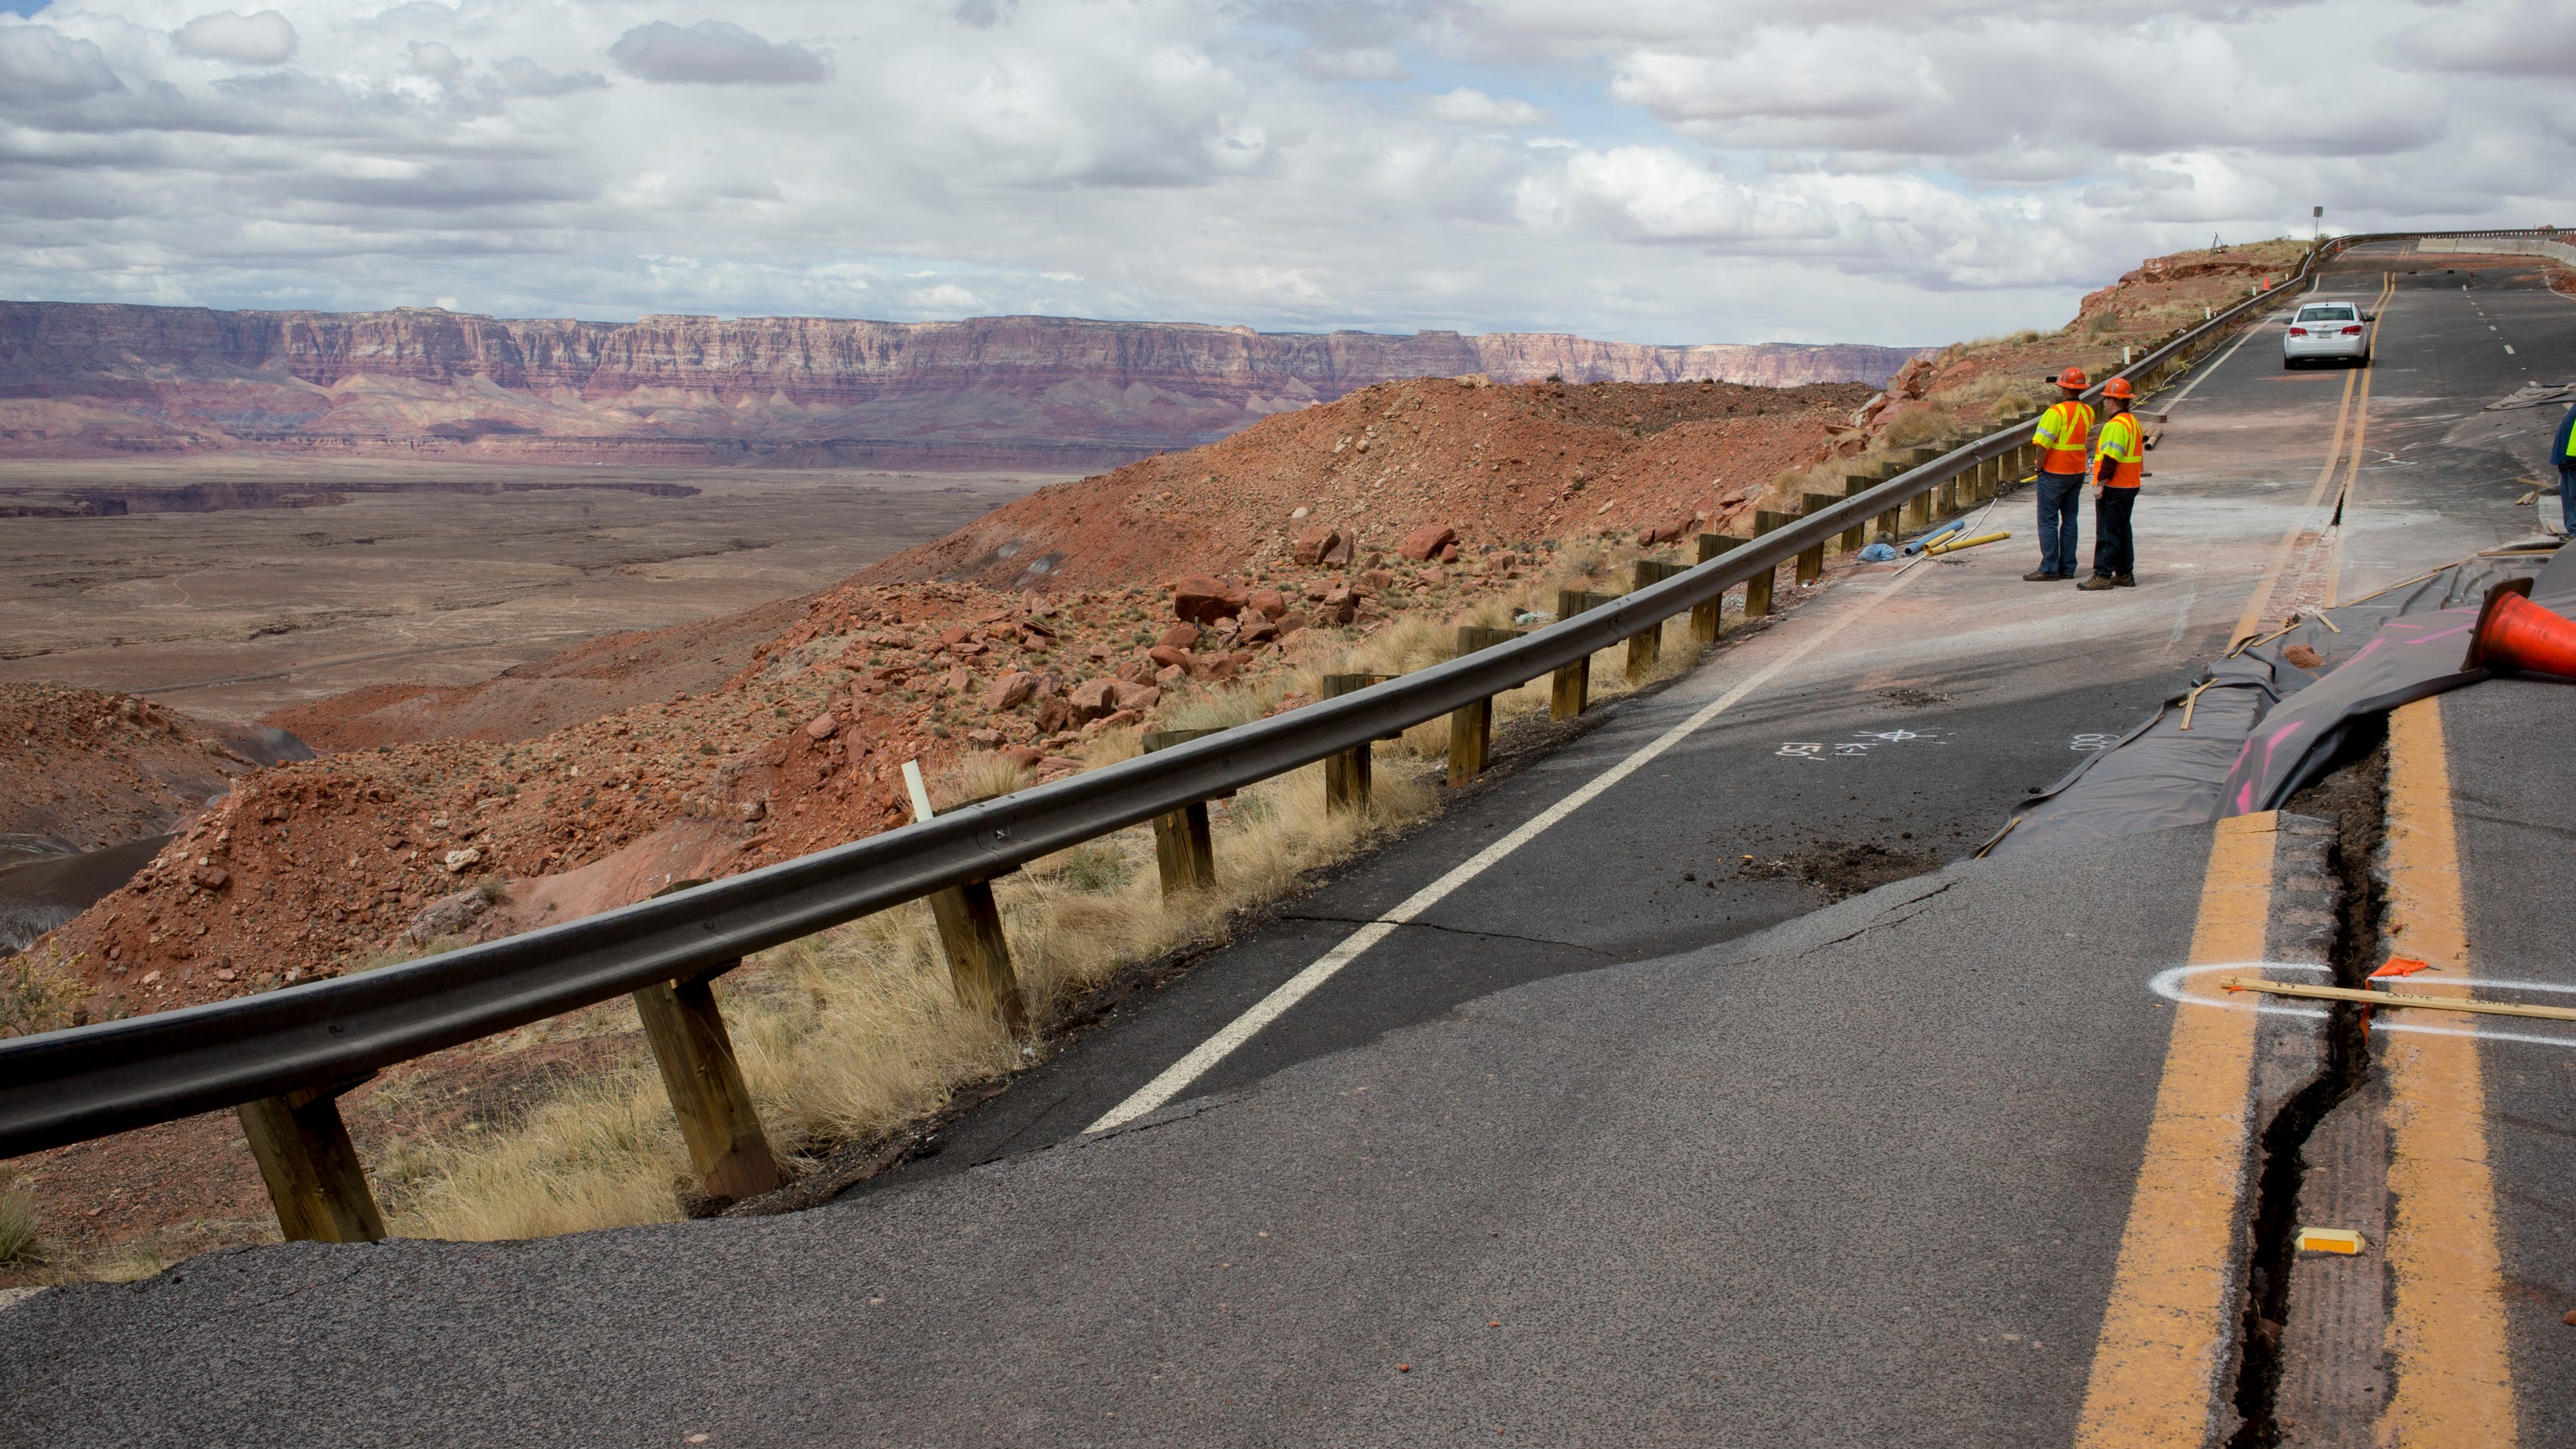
point(1650, 170)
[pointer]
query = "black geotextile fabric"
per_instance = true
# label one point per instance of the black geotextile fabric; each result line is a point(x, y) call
point(2260, 727)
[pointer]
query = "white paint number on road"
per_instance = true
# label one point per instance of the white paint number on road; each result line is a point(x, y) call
point(1860, 744)
point(2092, 742)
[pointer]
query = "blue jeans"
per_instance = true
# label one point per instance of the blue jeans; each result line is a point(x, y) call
point(2061, 496)
point(2567, 497)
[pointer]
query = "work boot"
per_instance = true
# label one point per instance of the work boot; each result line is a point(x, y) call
point(2096, 583)
point(2125, 581)
point(2041, 576)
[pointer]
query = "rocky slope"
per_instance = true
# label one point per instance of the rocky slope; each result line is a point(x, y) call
point(1497, 464)
point(1082, 610)
point(81, 379)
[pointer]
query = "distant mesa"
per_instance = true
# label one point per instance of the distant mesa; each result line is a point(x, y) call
point(102, 380)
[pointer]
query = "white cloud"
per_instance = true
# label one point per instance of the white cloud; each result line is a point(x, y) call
point(947, 299)
point(263, 37)
point(39, 63)
point(1870, 169)
point(1473, 107)
point(713, 52)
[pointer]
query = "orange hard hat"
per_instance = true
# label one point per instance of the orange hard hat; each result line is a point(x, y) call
point(2072, 377)
point(2118, 387)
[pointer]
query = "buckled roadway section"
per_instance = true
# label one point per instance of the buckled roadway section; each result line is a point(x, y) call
point(1588, 1153)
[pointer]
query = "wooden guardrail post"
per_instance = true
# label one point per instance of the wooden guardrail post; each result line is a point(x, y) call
point(1646, 646)
point(1916, 512)
point(727, 1147)
point(1856, 537)
point(1346, 775)
point(1891, 524)
point(1707, 619)
point(1811, 561)
point(1184, 850)
point(314, 1178)
point(1757, 589)
point(970, 934)
point(1471, 725)
point(979, 955)
point(1569, 690)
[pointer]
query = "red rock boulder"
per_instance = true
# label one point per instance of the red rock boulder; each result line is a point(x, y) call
point(1010, 691)
point(1424, 543)
point(1204, 600)
point(1315, 543)
point(1094, 698)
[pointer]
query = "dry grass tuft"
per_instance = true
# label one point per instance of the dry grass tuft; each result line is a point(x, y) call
point(36, 994)
point(979, 775)
point(851, 1033)
point(21, 1233)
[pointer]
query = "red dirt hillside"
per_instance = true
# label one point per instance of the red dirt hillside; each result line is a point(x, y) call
point(1498, 464)
point(739, 741)
point(463, 814)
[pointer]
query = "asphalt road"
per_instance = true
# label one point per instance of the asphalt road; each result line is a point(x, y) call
point(2513, 774)
point(1618, 1142)
point(1860, 1179)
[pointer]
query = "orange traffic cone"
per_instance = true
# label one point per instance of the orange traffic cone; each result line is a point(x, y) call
point(2517, 636)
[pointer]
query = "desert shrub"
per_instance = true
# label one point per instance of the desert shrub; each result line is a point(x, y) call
point(1918, 425)
point(19, 1228)
point(36, 994)
point(978, 775)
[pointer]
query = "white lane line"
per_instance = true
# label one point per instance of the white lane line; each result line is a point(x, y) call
point(2204, 374)
point(1207, 1054)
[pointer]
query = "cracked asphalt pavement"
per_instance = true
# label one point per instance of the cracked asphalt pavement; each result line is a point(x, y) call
point(1633, 1137)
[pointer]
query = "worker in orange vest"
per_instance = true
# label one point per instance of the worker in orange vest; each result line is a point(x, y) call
point(2063, 432)
point(2119, 461)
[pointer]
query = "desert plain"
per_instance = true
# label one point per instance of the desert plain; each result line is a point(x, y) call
point(236, 586)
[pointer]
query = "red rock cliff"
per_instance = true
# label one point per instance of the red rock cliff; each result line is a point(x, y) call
point(81, 378)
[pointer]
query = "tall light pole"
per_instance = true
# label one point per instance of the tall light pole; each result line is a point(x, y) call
point(2316, 224)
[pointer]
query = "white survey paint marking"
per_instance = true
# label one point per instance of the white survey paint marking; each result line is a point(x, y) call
point(1178, 1076)
point(2508, 349)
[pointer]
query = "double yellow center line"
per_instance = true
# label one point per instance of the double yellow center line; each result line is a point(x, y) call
point(2159, 1362)
point(2352, 420)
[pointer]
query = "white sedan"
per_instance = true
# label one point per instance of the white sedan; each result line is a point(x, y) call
point(2337, 330)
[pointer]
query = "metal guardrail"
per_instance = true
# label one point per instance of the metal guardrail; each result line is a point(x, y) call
point(89, 1081)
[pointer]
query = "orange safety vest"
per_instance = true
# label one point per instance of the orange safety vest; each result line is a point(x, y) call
point(2122, 443)
point(2062, 432)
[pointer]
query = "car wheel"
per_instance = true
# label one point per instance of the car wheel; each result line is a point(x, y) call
point(2289, 364)
point(2363, 360)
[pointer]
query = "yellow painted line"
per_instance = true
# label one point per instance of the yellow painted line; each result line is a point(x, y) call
point(2360, 432)
point(2160, 1357)
point(2250, 623)
point(2453, 1378)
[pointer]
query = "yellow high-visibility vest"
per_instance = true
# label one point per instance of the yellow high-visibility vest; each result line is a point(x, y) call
point(2124, 443)
point(2062, 433)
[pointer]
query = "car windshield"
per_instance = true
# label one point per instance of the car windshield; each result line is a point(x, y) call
point(2328, 314)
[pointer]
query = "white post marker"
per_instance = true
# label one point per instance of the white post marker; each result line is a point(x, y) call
point(919, 792)
point(1179, 1075)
